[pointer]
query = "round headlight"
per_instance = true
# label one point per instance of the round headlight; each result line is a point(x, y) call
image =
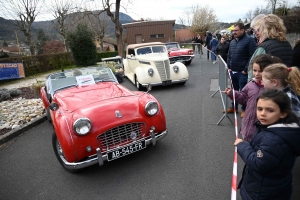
point(151, 108)
point(82, 126)
point(150, 72)
point(176, 68)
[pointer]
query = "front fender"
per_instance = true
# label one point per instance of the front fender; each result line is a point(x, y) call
point(63, 131)
point(182, 73)
point(143, 76)
point(44, 97)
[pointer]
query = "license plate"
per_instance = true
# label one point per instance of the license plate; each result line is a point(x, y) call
point(123, 151)
point(169, 82)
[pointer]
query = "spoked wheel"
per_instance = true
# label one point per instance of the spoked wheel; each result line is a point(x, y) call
point(60, 154)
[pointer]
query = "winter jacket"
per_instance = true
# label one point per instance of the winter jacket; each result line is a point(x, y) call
point(282, 50)
point(248, 96)
point(222, 50)
point(296, 56)
point(240, 51)
point(199, 40)
point(269, 159)
point(295, 100)
point(213, 44)
point(207, 40)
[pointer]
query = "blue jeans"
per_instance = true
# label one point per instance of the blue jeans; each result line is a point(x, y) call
point(239, 80)
point(213, 56)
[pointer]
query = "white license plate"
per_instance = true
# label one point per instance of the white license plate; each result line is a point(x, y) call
point(123, 151)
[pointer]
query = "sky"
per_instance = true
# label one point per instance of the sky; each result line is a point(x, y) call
point(226, 10)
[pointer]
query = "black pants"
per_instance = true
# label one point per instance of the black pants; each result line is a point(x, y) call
point(208, 52)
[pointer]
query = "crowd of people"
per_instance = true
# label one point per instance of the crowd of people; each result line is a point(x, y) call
point(265, 74)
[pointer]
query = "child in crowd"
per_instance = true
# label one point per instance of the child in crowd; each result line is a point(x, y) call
point(270, 156)
point(248, 95)
point(287, 79)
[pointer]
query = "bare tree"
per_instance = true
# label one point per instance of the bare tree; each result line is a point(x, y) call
point(60, 9)
point(203, 19)
point(118, 26)
point(249, 15)
point(25, 13)
point(98, 24)
point(96, 20)
point(186, 17)
point(273, 4)
point(100, 28)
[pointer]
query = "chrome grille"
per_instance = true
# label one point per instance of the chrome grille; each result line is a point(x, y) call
point(163, 68)
point(120, 136)
point(167, 66)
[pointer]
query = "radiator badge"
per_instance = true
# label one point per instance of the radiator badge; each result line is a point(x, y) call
point(133, 135)
point(118, 114)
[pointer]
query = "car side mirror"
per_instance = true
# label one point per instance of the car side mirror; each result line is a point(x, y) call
point(53, 106)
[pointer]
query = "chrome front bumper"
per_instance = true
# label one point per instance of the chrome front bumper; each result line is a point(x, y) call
point(99, 158)
point(161, 83)
point(177, 59)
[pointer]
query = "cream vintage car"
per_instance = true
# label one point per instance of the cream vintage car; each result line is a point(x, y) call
point(149, 64)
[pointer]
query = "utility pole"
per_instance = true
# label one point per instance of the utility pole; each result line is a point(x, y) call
point(18, 41)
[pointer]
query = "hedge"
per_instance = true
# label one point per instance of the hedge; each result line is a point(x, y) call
point(47, 62)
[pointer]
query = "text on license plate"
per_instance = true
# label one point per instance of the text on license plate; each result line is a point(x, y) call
point(123, 151)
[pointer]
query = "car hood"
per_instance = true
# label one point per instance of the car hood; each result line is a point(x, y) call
point(179, 52)
point(74, 98)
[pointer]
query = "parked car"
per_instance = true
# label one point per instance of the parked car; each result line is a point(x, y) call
point(96, 119)
point(118, 60)
point(176, 54)
point(148, 63)
point(117, 63)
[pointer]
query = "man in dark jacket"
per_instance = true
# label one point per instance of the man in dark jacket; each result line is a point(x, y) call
point(241, 49)
point(207, 42)
point(200, 43)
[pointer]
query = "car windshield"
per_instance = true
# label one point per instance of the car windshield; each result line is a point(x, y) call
point(153, 49)
point(172, 46)
point(79, 77)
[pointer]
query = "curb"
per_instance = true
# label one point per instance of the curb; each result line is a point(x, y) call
point(15, 132)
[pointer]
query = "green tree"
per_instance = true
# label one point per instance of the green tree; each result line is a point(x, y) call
point(82, 45)
point(42, 38)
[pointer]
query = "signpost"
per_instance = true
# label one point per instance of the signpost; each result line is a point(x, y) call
point(11, 71)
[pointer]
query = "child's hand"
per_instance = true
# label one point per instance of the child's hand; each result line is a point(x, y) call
point(227, 90)
point(237, 141)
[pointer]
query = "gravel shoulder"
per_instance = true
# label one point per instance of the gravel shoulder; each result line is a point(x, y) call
point(27, 91)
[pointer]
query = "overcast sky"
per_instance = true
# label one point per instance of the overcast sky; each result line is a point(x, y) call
point(226, 10)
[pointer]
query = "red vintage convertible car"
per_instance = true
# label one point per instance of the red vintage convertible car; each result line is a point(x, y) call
point(96, 119)
point(176, 54)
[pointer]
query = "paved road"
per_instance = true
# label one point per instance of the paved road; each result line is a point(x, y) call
point(193, 162)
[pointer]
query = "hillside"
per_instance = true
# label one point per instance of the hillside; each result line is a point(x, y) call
point(8, 28)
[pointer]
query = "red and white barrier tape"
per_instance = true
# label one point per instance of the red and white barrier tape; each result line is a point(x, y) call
point(234, 172)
